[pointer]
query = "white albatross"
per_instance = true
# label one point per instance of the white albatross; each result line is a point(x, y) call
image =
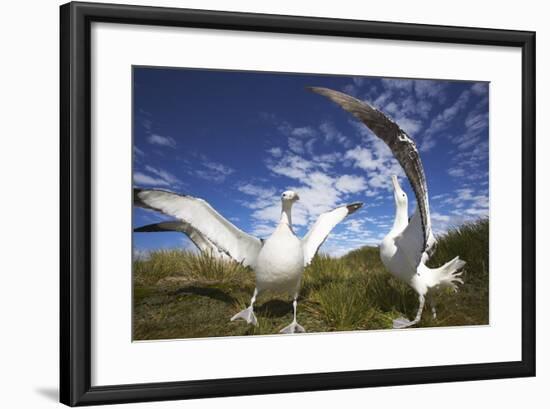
point(409, 244)
point(278, 262)
point(397, 254)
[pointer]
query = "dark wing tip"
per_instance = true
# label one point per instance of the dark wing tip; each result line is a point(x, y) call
point(143, 229)
point(327, 92)
point(316, 89)
point(354, 207)
point(137, 199)
point(155, 227)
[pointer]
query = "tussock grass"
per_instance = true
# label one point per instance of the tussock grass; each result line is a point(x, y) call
point(180, 294)
point(179, 265)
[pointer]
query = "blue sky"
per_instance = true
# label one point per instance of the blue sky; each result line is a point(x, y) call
point(239, 139)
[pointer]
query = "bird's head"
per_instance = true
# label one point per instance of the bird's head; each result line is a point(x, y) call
point(398, 194)
point(289, 196)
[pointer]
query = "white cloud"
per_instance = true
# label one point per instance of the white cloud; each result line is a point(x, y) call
point(295, 145)
point(391, 108)
point(261, 197)
point(350, 89)
point(358, 81)
point(428, 142)
point(152, 176)
point(288, 129)
point(448, 114)
point(379, 165)
point(212, 171)
point(351, 184)
point(411, 126)
point(440, 196)
point(290, 165)
point(309, 145)
point(164, 175)
point(382, 99)
point(354, 225)
point(330, 134)
point(478, 212)
point(167, 141)
point(398, 84)
point(480, 88)
point(438, 217)
point(443, 121)
point(143, 179)
point(276, 152)
point(423, 108)
point(430, 89)
point(476, 121)
point(456, 172)
point(218, 167)
point(302, 131)
point(254, 190)
point(362, 158)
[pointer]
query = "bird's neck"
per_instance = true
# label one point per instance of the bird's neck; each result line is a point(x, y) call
point(401, 220)
point(286, 217)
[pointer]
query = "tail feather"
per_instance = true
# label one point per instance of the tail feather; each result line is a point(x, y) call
point(446, 276)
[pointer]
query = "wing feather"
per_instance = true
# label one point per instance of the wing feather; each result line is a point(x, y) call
point(322, 227)
point(202, 243)
point(402, 146)
point(202, 217)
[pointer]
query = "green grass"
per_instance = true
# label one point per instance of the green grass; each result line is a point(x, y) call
point(178, 294)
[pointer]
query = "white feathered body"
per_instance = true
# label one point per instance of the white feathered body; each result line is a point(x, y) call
point(421, 278)
point(395, 260)
point(280, 263)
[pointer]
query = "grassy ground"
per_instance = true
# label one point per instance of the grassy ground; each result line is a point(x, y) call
point(183, 295)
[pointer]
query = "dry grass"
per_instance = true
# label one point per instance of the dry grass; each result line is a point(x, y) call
point(179, 294)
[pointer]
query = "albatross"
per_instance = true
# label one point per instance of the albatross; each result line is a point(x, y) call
point(199, 240)
point(278, 262)
point(396, 255)
point(409, 245)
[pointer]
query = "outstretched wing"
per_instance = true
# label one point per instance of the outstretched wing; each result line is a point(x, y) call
point(237, 244)
point(408, 241)
point(402, 146)
point(322, 227)
point(202, 243)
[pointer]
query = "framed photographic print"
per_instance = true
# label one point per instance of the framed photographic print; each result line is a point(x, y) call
point(262, 204)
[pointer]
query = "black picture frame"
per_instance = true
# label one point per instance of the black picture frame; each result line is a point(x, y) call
point(76, 195)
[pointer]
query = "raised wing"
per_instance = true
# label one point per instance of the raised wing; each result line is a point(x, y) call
point(402, 146)
point(202, 243)
point(322, 227)
point(409, 241)
point(200, 216)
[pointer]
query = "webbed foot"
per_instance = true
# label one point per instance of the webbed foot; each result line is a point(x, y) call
point(247, 315)
point(294, 327)
point(402, 322)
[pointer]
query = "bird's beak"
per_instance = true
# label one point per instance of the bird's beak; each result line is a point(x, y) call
point(395, 183)
point(297, 197)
